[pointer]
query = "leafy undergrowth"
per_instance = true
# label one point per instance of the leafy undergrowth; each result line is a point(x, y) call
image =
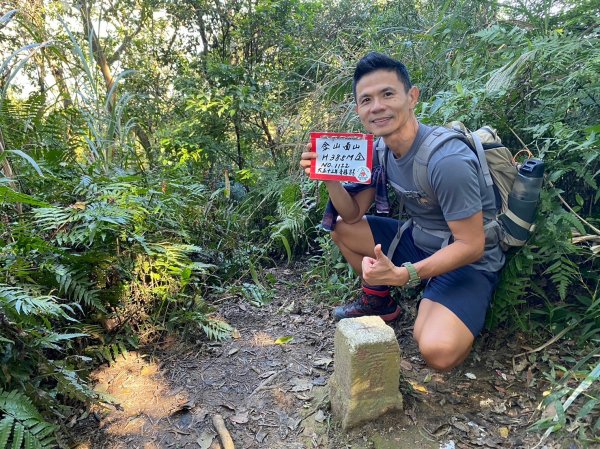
point(269, 383)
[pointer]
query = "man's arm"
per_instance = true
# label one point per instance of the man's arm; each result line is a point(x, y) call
point(467, 247)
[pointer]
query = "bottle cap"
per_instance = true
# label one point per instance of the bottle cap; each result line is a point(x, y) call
point(532, 168)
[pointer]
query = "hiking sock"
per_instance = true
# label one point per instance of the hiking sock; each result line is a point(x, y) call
point(376, 290)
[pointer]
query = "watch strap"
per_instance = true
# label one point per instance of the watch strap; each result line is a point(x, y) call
point(413, 276)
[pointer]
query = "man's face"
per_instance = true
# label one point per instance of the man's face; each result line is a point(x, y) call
point(382, 104)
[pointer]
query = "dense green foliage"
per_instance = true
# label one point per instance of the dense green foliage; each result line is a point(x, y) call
point(151, 167)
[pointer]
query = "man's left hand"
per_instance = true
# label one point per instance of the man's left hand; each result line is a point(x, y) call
point(381, 271)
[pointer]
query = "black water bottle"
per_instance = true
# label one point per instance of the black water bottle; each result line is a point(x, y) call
point(523, 199)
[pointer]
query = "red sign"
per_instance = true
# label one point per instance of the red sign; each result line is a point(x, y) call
point(342, 157)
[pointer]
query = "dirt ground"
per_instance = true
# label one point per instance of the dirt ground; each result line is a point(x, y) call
point(271, 390)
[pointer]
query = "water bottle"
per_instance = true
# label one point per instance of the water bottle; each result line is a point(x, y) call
point(523, 199)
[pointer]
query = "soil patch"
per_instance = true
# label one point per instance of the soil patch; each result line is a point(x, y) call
point(269, 382)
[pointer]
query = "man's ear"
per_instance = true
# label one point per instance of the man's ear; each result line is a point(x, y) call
point(413, 95)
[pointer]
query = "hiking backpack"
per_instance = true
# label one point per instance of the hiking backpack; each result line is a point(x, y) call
point(499, 171)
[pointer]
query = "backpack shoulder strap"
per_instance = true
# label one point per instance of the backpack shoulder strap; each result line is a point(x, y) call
point(436, 138)
point(485, 169)
point(434, 141)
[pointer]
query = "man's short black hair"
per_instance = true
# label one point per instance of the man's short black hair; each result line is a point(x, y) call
point(377, 61)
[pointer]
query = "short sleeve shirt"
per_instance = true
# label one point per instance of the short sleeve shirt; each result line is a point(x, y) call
point(455, 176)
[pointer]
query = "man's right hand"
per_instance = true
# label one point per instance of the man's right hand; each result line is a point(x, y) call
point(307, 157)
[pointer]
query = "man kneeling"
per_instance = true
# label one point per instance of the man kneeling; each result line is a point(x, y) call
point(443, 245)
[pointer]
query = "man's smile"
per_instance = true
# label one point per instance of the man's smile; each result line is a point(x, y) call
point(381, 120)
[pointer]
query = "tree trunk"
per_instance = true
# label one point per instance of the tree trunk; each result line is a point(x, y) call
point(240, 158)
point(103, 64)
point(8, 173)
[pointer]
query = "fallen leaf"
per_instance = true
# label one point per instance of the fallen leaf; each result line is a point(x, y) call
point(319, 381)
point(549, 411)
point(499, 408)
point(418, 387)
point(235, 334)
point(406, 365)
point(427, 378)
point(304, 396)
point(461, 426)
point(323, 361)
point(232, 351)
point(503, 431)
point(260, 436)
point(470, 376)
point(293, 423)
point(320, 416)
point(266, 374)
point(520, 366)
point(305, 386)
point(205, 439)
point(240, 418)
point(284, 340)
point(448, 445)
point(79, 205)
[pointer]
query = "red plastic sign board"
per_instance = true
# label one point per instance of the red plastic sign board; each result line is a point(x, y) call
point(342, 157)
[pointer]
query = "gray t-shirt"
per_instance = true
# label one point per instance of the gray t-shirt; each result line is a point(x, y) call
point(455, 176)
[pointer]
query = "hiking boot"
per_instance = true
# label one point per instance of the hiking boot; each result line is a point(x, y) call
point(369, 305)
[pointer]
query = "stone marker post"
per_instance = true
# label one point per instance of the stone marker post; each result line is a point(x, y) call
point(366, 377)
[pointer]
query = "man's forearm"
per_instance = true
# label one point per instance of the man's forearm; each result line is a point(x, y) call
point(449, 258)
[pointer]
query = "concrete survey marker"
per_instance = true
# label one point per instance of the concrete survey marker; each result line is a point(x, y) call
point(365, 381)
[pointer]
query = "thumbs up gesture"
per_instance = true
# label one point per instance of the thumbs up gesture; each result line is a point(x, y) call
point(379, 270)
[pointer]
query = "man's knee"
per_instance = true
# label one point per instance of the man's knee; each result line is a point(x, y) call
point(442, 355)
point(341, 232)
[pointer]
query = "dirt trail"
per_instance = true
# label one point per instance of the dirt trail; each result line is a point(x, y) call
point(275, 396)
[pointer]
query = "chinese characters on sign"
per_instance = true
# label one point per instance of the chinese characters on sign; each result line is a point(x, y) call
point(342, 157)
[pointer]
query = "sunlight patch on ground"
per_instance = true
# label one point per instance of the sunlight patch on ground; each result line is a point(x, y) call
point(138, 390)
point(262, 339)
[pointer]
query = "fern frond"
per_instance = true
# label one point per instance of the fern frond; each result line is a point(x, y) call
point(511, 290)
point(9, 196)
point(216, 329)
point(24, 422)
point(50, 339)
point(505, 75)
point(6, 426)
point(18, 300)
point(107, 353)
point(77, 287)
point(563, 273)
point(72, 385)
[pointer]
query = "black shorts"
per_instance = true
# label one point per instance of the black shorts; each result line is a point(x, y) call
point(467, 292)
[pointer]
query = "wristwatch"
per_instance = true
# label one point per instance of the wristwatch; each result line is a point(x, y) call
point(413, 277)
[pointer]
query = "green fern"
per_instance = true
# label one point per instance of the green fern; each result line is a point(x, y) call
point(22, 424)
point(508, 296)
point(290, 227)
point(107, 353)
point(563, 273)
point(18, 301)
point(9, 196)
point(70, 384)
point(77, 287)
point(215, 329)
